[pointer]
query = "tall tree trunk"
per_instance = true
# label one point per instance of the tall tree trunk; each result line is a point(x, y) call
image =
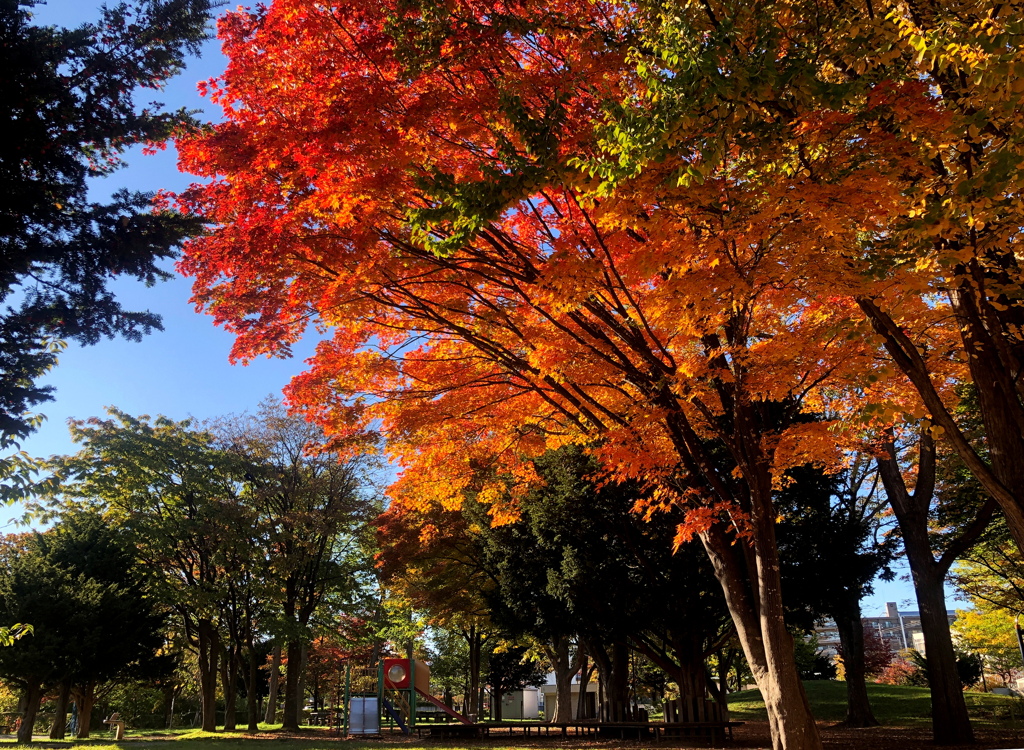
point(726, 657)
point(31, 696)
point(290, 719)
point(229, 684)
point(475, 643)
point(275, 678)
point(586, 672)
point(170, 693)
point(757, 614)
point(950, 721)
point(300, 692)
point(747, 566)
point(85, 699)
point(252, 702)
point(209, 648)
point(613, 672)
point(617, 685)
point(951, 724)
point(60, 711)
point(851, 640)
point(565, 667)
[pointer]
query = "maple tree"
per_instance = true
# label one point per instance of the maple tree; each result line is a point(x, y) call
point(469, 295)
point(924, 99)
point(429, 184)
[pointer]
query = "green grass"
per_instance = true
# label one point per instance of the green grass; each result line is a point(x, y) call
point(892, 705)
point(207, 741)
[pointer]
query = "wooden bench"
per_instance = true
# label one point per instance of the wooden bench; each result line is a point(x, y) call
point(697, 717)
point(116, 725)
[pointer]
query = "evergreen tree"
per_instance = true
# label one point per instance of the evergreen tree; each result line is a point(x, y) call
point(73, 582)
point(68, 111)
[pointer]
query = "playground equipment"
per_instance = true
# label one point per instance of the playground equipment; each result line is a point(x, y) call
point(388, 694)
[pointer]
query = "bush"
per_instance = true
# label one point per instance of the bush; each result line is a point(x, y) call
point(904, 673)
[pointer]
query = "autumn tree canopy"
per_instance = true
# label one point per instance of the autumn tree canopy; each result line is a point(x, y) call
point(671, 237)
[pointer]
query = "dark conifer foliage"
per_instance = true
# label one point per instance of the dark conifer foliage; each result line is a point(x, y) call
point(68, 112)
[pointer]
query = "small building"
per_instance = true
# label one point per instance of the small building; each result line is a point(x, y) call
point(521, 704)
point(549, 694)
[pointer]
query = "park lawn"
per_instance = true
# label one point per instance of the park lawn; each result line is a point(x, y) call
point(893, 705)
point(231, 741)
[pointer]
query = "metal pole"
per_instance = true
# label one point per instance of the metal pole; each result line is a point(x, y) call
point(380, 695)
point(412, 692)
point(347, 706)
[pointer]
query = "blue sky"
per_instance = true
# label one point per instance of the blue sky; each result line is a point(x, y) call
point(184, 371)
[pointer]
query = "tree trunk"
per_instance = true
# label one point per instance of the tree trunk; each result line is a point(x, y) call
point(85, 699)
point(60, 711)
point(565, 668)
point(722, 670)
point(681, 657)
point(251, 697)
point(757, 614)
point(951, 724)
point(613, 672)
point(291, 686)
point(209, 648)
point(617, 690)
point(473, 697)
point(31, 696)
point(851, 640)
point(999, 398)
point(747, 566)
point(170, 691)
point(586, 671)
point(300, 692)
point(275, 678)
point(229, 684)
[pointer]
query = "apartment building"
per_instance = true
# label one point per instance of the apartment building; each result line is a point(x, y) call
point(900, 628)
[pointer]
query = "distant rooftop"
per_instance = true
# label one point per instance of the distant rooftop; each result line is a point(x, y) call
point(892, 611)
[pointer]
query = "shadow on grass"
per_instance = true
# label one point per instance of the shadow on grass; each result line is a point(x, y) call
point(893, 705)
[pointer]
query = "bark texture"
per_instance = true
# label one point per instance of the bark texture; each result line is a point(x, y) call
point(851, 640)
point(275, 677)
point(290, 718)
point(565, 666)
point(951, 724)
point(60, 711)
point(31, 696)
point(209, 650)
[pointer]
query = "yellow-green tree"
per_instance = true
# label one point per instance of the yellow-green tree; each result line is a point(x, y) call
point(989, 632)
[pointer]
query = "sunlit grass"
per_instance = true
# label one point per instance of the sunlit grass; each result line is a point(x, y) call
point(892, 705)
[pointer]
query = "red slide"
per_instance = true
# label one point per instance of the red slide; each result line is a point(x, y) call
point(439, 704)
